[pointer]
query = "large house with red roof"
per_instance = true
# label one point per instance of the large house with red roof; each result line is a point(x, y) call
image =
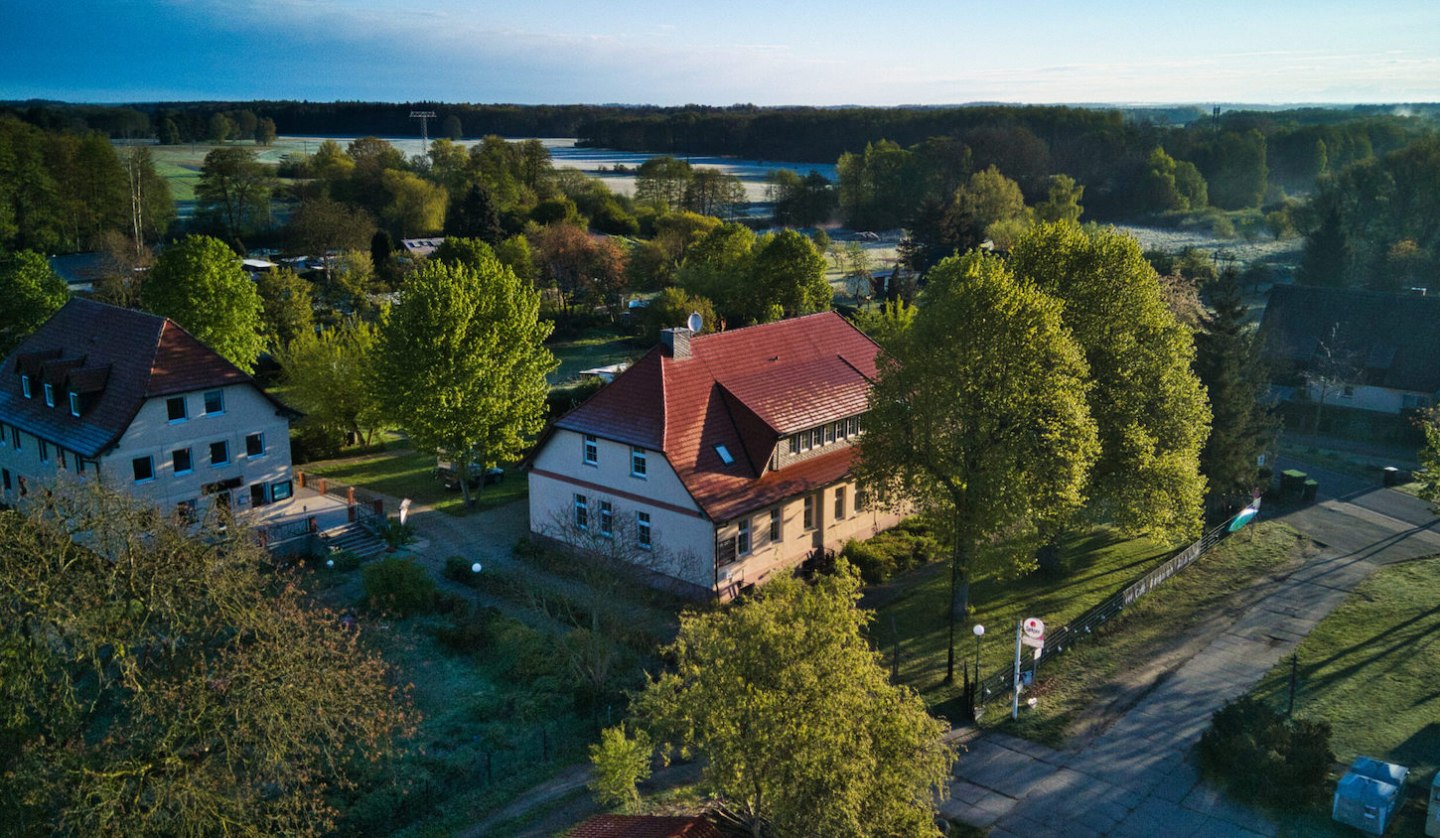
point(727, 456)
point(135, 400)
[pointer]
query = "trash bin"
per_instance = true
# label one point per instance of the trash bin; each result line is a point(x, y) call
point(1311, 487)
point(1392, 476)
point(1369, 794)
point(1292, 481)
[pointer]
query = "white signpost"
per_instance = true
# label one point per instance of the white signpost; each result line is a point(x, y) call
point(1028, 632)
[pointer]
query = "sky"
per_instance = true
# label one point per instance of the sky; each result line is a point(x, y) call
point(765, 53)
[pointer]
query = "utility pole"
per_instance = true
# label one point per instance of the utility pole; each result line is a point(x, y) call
point(424, 117)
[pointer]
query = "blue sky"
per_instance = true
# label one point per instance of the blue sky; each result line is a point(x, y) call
point(768, 53)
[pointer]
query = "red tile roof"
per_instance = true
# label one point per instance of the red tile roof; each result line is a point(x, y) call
point(119, 357)
point(645, 826)
point(744, 389)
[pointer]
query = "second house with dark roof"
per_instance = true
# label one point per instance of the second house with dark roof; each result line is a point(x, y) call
point(726, 456)
point(135, 400)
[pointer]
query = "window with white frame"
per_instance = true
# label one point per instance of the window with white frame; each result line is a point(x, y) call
point(582, 513)
point(74, 403)
point(637, 462)
point(607, 519)
point(775, 524)
point(49, 394)
point(590, 453)
point(809, 520)
point(642, 530)
point(44, 451)
point(742, 539)
point(839, 503)
point(829, 434)
point(15, 437)
point(25, 386)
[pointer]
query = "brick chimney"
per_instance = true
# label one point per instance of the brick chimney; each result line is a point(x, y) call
point(676, 342)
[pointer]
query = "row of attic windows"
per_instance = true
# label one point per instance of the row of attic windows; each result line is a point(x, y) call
point(826, 434)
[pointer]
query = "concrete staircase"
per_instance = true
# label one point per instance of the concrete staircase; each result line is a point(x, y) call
point(354, 538)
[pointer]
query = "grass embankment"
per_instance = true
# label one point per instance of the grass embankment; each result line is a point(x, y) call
point(597, 347)
point(1372, 670)
point(411, 474)
point(1092, 568)
point(1077, 685)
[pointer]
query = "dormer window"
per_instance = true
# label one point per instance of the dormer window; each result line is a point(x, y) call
point(74, 403)
point(49, 394)
point(725, 456)
point(25, 386)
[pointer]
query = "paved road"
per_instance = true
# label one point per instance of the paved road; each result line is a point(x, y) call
point(1137, 777)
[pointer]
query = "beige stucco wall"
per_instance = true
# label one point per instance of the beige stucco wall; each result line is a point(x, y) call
point(1367, 397)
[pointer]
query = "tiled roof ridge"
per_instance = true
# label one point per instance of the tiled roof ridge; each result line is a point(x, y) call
point(664, 402)
point(784, 321)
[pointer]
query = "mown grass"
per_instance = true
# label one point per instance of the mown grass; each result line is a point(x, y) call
point(1372, 670)
point(599, 347)
point(1092, 566)
point(1083, 678)
point(411, 474)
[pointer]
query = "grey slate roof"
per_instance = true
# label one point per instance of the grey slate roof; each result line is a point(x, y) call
point(1393, 338)
point(116, 358)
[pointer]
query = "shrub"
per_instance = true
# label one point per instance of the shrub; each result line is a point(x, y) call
point(399, 586)
point(620, 762)
point(524, 652)
point(470, 629)
point(344, 561)
point(1262, 756)
point(396, 534)
point(908, 545)
point(458, 569)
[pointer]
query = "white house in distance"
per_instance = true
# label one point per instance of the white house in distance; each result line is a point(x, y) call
point(727, 454)
point(137, 401)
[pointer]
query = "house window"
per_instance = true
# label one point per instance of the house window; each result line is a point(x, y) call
point(637, 462)
point(74, 403)
point(852, 425)
point(775, 525)
point(809, 512)
point(5, 478)
point(255, 445)
point(804, 438)
point(180, 459)
point(60, 455)
point(49, 395)
point(582, 513)
point(175, 409)
point(591, 455)
point(144, 468)
point(219, 454)
point(607, 519)
point(725, 456)
point(840, 503)
point(742, 541)
point(794, 445)
point(214, 402)
point(829, 434)
point(1348, 392)
point(281, 490)
point(44, 451)
point(15, 437)
point(25, 386)
point(642, 529)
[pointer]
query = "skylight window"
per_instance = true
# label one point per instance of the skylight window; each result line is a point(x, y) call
point(725, 456)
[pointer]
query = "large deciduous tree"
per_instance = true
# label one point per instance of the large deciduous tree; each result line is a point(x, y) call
point(1147, 402)
point(163, 681)
point(199, 283)
point(325, 373)
point(801, 730)
point(790, 274)
point(986, 432)
point(460, 363)
point(31, 291)
point(234, 191)
point(288, 306)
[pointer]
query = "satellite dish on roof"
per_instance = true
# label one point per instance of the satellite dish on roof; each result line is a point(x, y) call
point(695, 322)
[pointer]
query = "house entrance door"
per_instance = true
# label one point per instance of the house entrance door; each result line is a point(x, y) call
point(257, 494)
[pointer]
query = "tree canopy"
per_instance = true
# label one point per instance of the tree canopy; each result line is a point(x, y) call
point(32, 291)
point(198, 282)
point(160, 680)
point(801, 730)
point(460, 362)
point(985, 433)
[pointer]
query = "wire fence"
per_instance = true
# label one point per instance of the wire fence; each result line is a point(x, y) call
point(1002, 684)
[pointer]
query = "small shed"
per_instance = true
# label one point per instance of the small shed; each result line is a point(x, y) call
point(1369, 794)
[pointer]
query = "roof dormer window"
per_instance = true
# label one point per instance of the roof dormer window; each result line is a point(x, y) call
point(74, 403)
point(49, 394)
point(25, 386)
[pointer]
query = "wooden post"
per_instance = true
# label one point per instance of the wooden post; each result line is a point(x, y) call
point(324, 486)
point(300, 479)
point(350, 495)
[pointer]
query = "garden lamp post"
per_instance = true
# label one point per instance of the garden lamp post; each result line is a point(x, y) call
point(979, 633)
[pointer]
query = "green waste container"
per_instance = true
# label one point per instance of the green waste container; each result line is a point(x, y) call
point(1311, 487)
point(1292, 481)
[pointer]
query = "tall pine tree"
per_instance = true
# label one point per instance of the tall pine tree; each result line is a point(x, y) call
point(1327, 253)
point(1227, 359)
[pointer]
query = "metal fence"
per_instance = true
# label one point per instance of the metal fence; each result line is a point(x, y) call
point(1002, 684)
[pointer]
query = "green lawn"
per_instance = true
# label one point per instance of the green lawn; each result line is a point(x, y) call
point(1372, 670)
point(598, 347)
point(1074, 685)
point(1092, 567)
point(407, 473)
